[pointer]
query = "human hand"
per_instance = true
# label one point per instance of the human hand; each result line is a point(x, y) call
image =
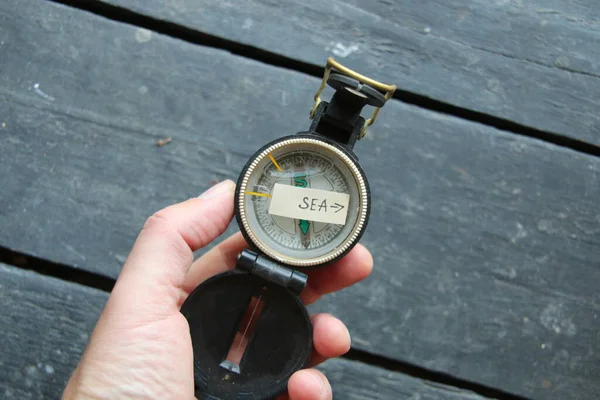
point(141, 346)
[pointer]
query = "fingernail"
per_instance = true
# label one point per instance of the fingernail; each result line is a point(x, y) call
point(318, 379)
point(218, 190)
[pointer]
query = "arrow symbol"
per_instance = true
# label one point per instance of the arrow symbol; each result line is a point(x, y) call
point(304, 225)
point(338, 206)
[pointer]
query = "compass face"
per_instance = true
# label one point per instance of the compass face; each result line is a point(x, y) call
point(302, 201)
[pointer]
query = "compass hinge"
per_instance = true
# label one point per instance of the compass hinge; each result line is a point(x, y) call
point(291, 279)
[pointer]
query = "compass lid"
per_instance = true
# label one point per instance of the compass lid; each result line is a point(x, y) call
point(249, 335)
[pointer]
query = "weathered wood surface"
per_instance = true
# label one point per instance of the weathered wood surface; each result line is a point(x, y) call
point(533, 62)
point(486, 244)
point(46, 323)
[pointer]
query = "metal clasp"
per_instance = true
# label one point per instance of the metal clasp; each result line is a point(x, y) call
point(334, 65)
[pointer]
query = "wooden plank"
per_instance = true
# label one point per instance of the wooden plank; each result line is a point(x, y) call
point(486, 244)
point(46, 323)
point(354, 380)
point(536, 63)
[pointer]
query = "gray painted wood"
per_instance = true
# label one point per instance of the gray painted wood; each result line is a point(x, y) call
point(46, 323)
point(486, 244)
point(537, 63)
point(354, 380)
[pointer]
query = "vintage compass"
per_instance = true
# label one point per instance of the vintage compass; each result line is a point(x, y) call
point(302, 201)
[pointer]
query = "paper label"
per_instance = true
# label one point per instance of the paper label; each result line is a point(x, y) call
point(309, 204)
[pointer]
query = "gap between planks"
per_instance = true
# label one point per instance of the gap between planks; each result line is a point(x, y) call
point(56, 270)
point(90, 279)
point(181, 32)
point(68, 273)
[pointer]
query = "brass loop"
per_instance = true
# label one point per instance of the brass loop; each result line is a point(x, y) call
point(332, 64)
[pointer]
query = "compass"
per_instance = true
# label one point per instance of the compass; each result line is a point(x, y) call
point(302, 201)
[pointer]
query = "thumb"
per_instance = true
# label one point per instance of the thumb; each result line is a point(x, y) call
point(151, 281)
point(309, 384)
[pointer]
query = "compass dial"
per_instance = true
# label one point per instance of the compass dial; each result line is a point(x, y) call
point(302, 201)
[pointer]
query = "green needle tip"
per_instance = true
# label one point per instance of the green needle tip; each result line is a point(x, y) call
point(304, 225)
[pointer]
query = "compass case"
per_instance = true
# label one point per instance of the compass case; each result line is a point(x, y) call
point(250, 331)
point(280, 342)
point(313, 136)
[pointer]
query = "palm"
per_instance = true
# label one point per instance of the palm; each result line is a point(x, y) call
point(141, 347)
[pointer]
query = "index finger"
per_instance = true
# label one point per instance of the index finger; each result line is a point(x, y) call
point(350, 269)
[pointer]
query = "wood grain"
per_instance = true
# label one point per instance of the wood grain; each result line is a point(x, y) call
point(485, 244)
point(532, 62)
point(46, 324)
